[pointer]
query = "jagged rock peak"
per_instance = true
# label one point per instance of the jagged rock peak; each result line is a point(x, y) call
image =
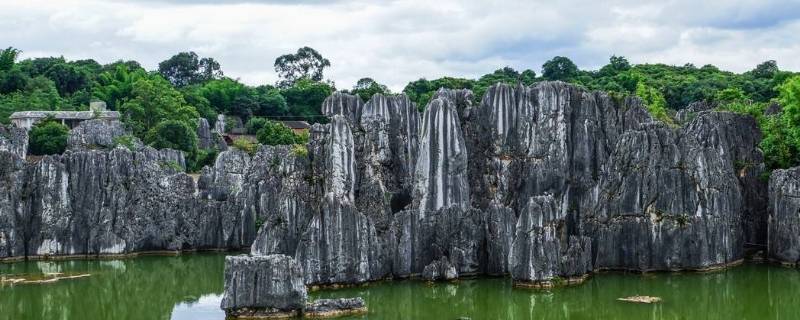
point(441, 166)
point(340, 150)
point(344, 104)
point(14, 140)
point(462, 98)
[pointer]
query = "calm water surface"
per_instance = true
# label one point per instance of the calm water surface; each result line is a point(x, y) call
point(190, 287)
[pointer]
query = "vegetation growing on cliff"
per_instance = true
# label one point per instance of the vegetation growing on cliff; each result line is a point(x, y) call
point(187, 86)
point(48, 137)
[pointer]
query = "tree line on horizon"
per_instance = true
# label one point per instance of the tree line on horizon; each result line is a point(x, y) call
point(160, 106)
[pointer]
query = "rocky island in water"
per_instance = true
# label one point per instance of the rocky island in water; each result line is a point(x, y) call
point(545, 184)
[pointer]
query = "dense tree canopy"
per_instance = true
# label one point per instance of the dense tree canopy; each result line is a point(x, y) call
point(161, 106)
point(188, 68)
point(367, 87)
point(559, 68)
point(306, 63)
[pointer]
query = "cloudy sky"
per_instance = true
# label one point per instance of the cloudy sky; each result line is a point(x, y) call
point(396, 42)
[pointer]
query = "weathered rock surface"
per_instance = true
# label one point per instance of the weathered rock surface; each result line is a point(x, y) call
point(545, 183)
point(542, 250)
point(14, 140)
point(207, 138)
point(440, 270)
point(679, 198)
point(784, 220)
point(265, 286)
point(329, 308)
point(95, 134)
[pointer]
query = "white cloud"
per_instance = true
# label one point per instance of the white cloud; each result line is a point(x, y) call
point(400, 41)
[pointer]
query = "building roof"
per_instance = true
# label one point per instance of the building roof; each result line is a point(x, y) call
point(65, 115)
point(296, 124)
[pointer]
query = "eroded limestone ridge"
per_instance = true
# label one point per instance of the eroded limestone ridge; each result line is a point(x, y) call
point(546, 183)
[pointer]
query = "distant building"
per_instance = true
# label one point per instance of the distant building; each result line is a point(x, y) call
point(71, 119)
point(297, 126)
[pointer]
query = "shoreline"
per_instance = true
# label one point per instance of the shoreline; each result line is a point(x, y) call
point(114, 256)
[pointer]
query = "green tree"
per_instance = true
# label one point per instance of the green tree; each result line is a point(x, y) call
point(116, 87)
point(7, 58)
point(421, 91)
point(39, 94)
point(221, 94)
point(68, 78)
point(255, 124)
point(13, 80)
point(173, 134)
point(269, 101)
point(305, 99)
point(48, 137)
point(559, 68)
point(153, 101)
point(276, 133)
point(306, 63)
point(654, 101)
point(187, 68)
point(766, 69)
point(616, 64)
point(505, 75)
point(730, 95)
point(367, 87)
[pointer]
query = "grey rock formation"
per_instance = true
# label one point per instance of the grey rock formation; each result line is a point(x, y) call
point(688, 113)
point(263, 286)
point(440, 173)
point(784, 222)
point(95, 134)
point(440, 270)
point(329, 308)
point(112, 202)
point(544, 183)
point(678, 198)
point(343, 104)
point(14, 140)
point(540, 254)
point(207, 138)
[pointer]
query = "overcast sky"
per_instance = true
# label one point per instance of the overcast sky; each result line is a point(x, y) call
point(395, 42)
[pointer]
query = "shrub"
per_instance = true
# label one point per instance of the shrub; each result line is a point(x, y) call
point(255, 124)
point(300, 150)
point(48, 137)
point(245, 145)
point(171, 165)
point(173, 134)
point(200, 159)
point(126, 141)
point(276, 133)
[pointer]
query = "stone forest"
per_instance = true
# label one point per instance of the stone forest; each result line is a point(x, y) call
point(543, 188)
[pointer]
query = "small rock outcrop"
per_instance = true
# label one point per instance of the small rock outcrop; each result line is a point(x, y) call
point(440, 270)
point(331, 308)
point(264, 287)
point(207, 138)
point(95, 134)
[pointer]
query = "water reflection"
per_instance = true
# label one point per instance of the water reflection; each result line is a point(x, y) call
point(140, 288)
point(746, 292)
point(190, 287)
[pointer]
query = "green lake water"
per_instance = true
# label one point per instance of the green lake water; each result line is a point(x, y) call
point(190, 287)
